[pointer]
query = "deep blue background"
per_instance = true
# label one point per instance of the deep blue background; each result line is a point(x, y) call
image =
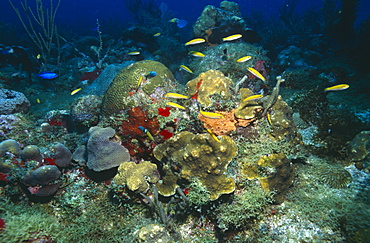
point(81, 15)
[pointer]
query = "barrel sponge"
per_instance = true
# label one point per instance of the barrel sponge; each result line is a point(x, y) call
point(136, 176)
point(31, 152)
point(203, 157)
point(127, 80)
point(62, 155)
point(42, 175)
point(103, 154)
point(9, 145)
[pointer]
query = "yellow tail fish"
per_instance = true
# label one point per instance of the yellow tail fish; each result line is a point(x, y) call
point(256, 73)
point(212, 115)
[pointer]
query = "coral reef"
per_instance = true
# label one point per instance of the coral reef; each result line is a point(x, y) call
point(86, 110)
point(359, 147)
point(212, 83)
point(62, 155)
point(333, 175)
point(153, 233)
point(102, 153)
point(136, 176)
point(31, 152)
point(247, 109)
point(9, 145)
point(127, 80)
point(13, 102)
point(43, 181)
point(200, 156)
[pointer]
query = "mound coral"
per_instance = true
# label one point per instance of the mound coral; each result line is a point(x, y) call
point(136, 176)
point(209, 84)
point(9, 145)
point(102, 153)
point(115, 99)
point(31, 152)
point(333, 175)
point(199, 156)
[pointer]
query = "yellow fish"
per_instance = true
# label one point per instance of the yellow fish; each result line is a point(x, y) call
point(256, 73)
point(253, 97)
point(38, 56)
point(185, 68)
point(38, 100)
point(133, 53)
point(337, 87)
point(176, 96)
point(232, 37)
point(157, 34)
point(244, 59)
point(141, 78)
point(195, 41)
point(176, 105)
point(212, 115)
point(196, 54)
point(269, 119)
point(213, 135)
point(75, 91)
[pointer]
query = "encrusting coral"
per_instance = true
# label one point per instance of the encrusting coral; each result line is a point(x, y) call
point(208, 84)
point(136, 176)
point(115, 99)
point(102, 153)
point(202, 157)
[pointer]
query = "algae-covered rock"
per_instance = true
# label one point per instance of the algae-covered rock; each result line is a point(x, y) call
point(247, 109)
point(102, 153)
point(86, 110)
point(127, 80)
point(202, 157)
point(153, 233)
point(9, 145)
point(136, 176)
point(62, 155)
point(274, 172)
point(212, 86)
point(31, 152)
point(13, 102)
point(359, 147)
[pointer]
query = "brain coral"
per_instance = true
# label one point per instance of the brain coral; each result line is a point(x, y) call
point(103, 154)
point(127, 80)
point(207, 84)
point(200, 156)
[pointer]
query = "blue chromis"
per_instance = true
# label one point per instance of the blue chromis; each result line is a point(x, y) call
point(47, 75)
point(146, 131)
point(185, 68)
point(337, 87)
point(196, 54)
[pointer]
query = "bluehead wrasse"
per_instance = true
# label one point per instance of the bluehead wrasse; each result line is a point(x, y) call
point(253, 97)
point(211, 115)
point(185, 68)
point(146, 131)
point(196, 54)
point(195, 41)
point(175, 105)
point(232, 37)
point(151, 74)
point(47, 75)
point(337, 87)
point(269, 119)
point(38, 56)
point(244, 59)
point(133, 53)
point(157, 34)
point(38, 100)
point(75, 91)
point(256, 73)
point(176, 96)
point(213, 135)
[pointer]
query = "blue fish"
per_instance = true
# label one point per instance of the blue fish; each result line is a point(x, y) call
point(47, 75)
point(182, 23)
point(152, 74)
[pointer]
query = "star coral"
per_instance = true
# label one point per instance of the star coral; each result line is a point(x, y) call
point(199, 156)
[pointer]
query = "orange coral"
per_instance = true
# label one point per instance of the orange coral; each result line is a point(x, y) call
point(225, 125)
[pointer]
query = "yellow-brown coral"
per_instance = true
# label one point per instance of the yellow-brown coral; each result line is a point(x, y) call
point(246, 109)
point(202, 157)
point(127, 80)
point(208, 84)
point(136, 176)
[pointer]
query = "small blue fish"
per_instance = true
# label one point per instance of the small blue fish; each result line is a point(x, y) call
point(146, 131)
point(47, 75)
point(151, 74)
point(181, 23)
